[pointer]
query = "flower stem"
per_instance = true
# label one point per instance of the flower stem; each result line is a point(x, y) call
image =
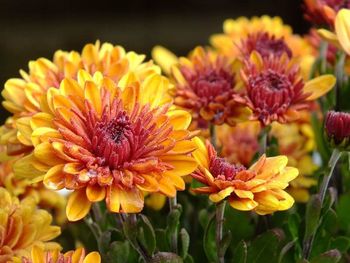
point(339, 73)
point(172, 206)
point(213, 135)
point(130, 232)
point(264, 140)
point(322, 193)
point(220, 212)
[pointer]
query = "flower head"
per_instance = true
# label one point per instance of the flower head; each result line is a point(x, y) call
point(23, 95)
point(259, 188)
point(275, 90)
point(323, 12)
point(265, 44)
point(23, 226)
point(54, 256)
point(204, 84)
point(337, 127)
point(108, 142)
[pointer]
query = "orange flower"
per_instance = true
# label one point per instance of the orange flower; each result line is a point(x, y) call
point(23, 95)
point(205, 84)
point(109, 142)
point(323, 12)
point(38, 255)
point(22, 226)
point(259, 188)
point(275, 90)
point(239, 144)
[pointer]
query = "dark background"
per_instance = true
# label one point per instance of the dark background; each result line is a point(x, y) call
point(36, 28)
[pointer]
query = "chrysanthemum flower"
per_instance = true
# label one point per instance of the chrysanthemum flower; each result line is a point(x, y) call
point(275, 90)
point(323, 12)
point(239, 144)
point(22, 226)
point(204, 84)
point(296, 141)
point(259, 188)
point(241, 29)
point(109, 142)
point(341, 36)
point(38, 255)
point(337, 129)
point(23, 95)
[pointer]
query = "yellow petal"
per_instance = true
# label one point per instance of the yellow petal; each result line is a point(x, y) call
point(329, 36)
point(271, 167)
point(180, 119)
point(126, 201)
point(217, 197)
point(92, 94)
point(78, 206)
point(183, 165)
point(319, 86)
point(38, 255)
point(164, 58)
point(95, 193)
point(243, 204)
point(201, 154)
point(54, 178)
point(93, 257)
point(342, 29)
point(46, 154)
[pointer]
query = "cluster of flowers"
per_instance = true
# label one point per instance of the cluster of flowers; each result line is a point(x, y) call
point(107, 126)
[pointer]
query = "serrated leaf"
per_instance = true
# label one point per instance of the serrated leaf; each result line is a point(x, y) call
point(185, 243)
point(209, 240)
point(332, 256)
point(146, 234)
point(240, 253)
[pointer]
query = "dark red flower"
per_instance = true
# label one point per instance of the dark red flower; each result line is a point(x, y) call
point(337, 127)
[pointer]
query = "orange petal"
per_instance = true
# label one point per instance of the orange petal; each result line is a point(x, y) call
point(95, 193)
point(93, 257)
point(78, 206)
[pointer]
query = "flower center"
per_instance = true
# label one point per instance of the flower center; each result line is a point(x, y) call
point(265, 44)
point(223, 170)
point(211, 84)
point(270, 81)
point(117, 127)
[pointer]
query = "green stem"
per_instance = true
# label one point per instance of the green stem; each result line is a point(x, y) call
point(323, 56)
point(172, 206)
point(264, 140)
point(212, 135)
point(220, 212)
point(339, 73)
point(322, 193)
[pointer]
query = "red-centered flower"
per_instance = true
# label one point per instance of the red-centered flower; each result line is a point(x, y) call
point(275, 90)
point(337, 127)
point(265, 44)
point(205, 85)
point(110, 143)
point(323, 12)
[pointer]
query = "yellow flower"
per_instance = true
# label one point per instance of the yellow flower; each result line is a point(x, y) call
point(341, 36)
point(109, 142)
point(259, 188)
point(39, 255)
point(23, 95)
point(270, 34)
point(22, 226)
point(296, 141)
point(204, 85)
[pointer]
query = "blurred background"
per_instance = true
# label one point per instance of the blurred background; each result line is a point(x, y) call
point(33, 29)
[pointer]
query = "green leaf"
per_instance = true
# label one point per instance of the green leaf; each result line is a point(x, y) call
point(343, 212)
point(226, 241)
point(189, 259)
point(332, 256)
point(166, 257)
point(293, 225)
point(173, 221)
point(341, 243)
point(162, 242)
point(285, 249)
point(209, 240)
point(185, 243)
point(265, 248)
point(119, 252)
point(146, 234)
point(320, 141)
point(240, 253)
point(312, 215)
point(203, 218)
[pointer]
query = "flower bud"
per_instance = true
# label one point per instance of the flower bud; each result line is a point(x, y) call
point(337, 128)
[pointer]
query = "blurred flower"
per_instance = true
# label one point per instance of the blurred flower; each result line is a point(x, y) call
point(341, 36)
point(337, 127)
point(315, 40)
point(23, 95)
point(38, 255)
point(22, 226)
point(204, 84)
point(265, 44)
point(239, 144)
point(275, 90)
point(267, 34)
point(109, 142)
point(155, 201)
point(323, 12)
point(296, 141)
point(259, 188)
